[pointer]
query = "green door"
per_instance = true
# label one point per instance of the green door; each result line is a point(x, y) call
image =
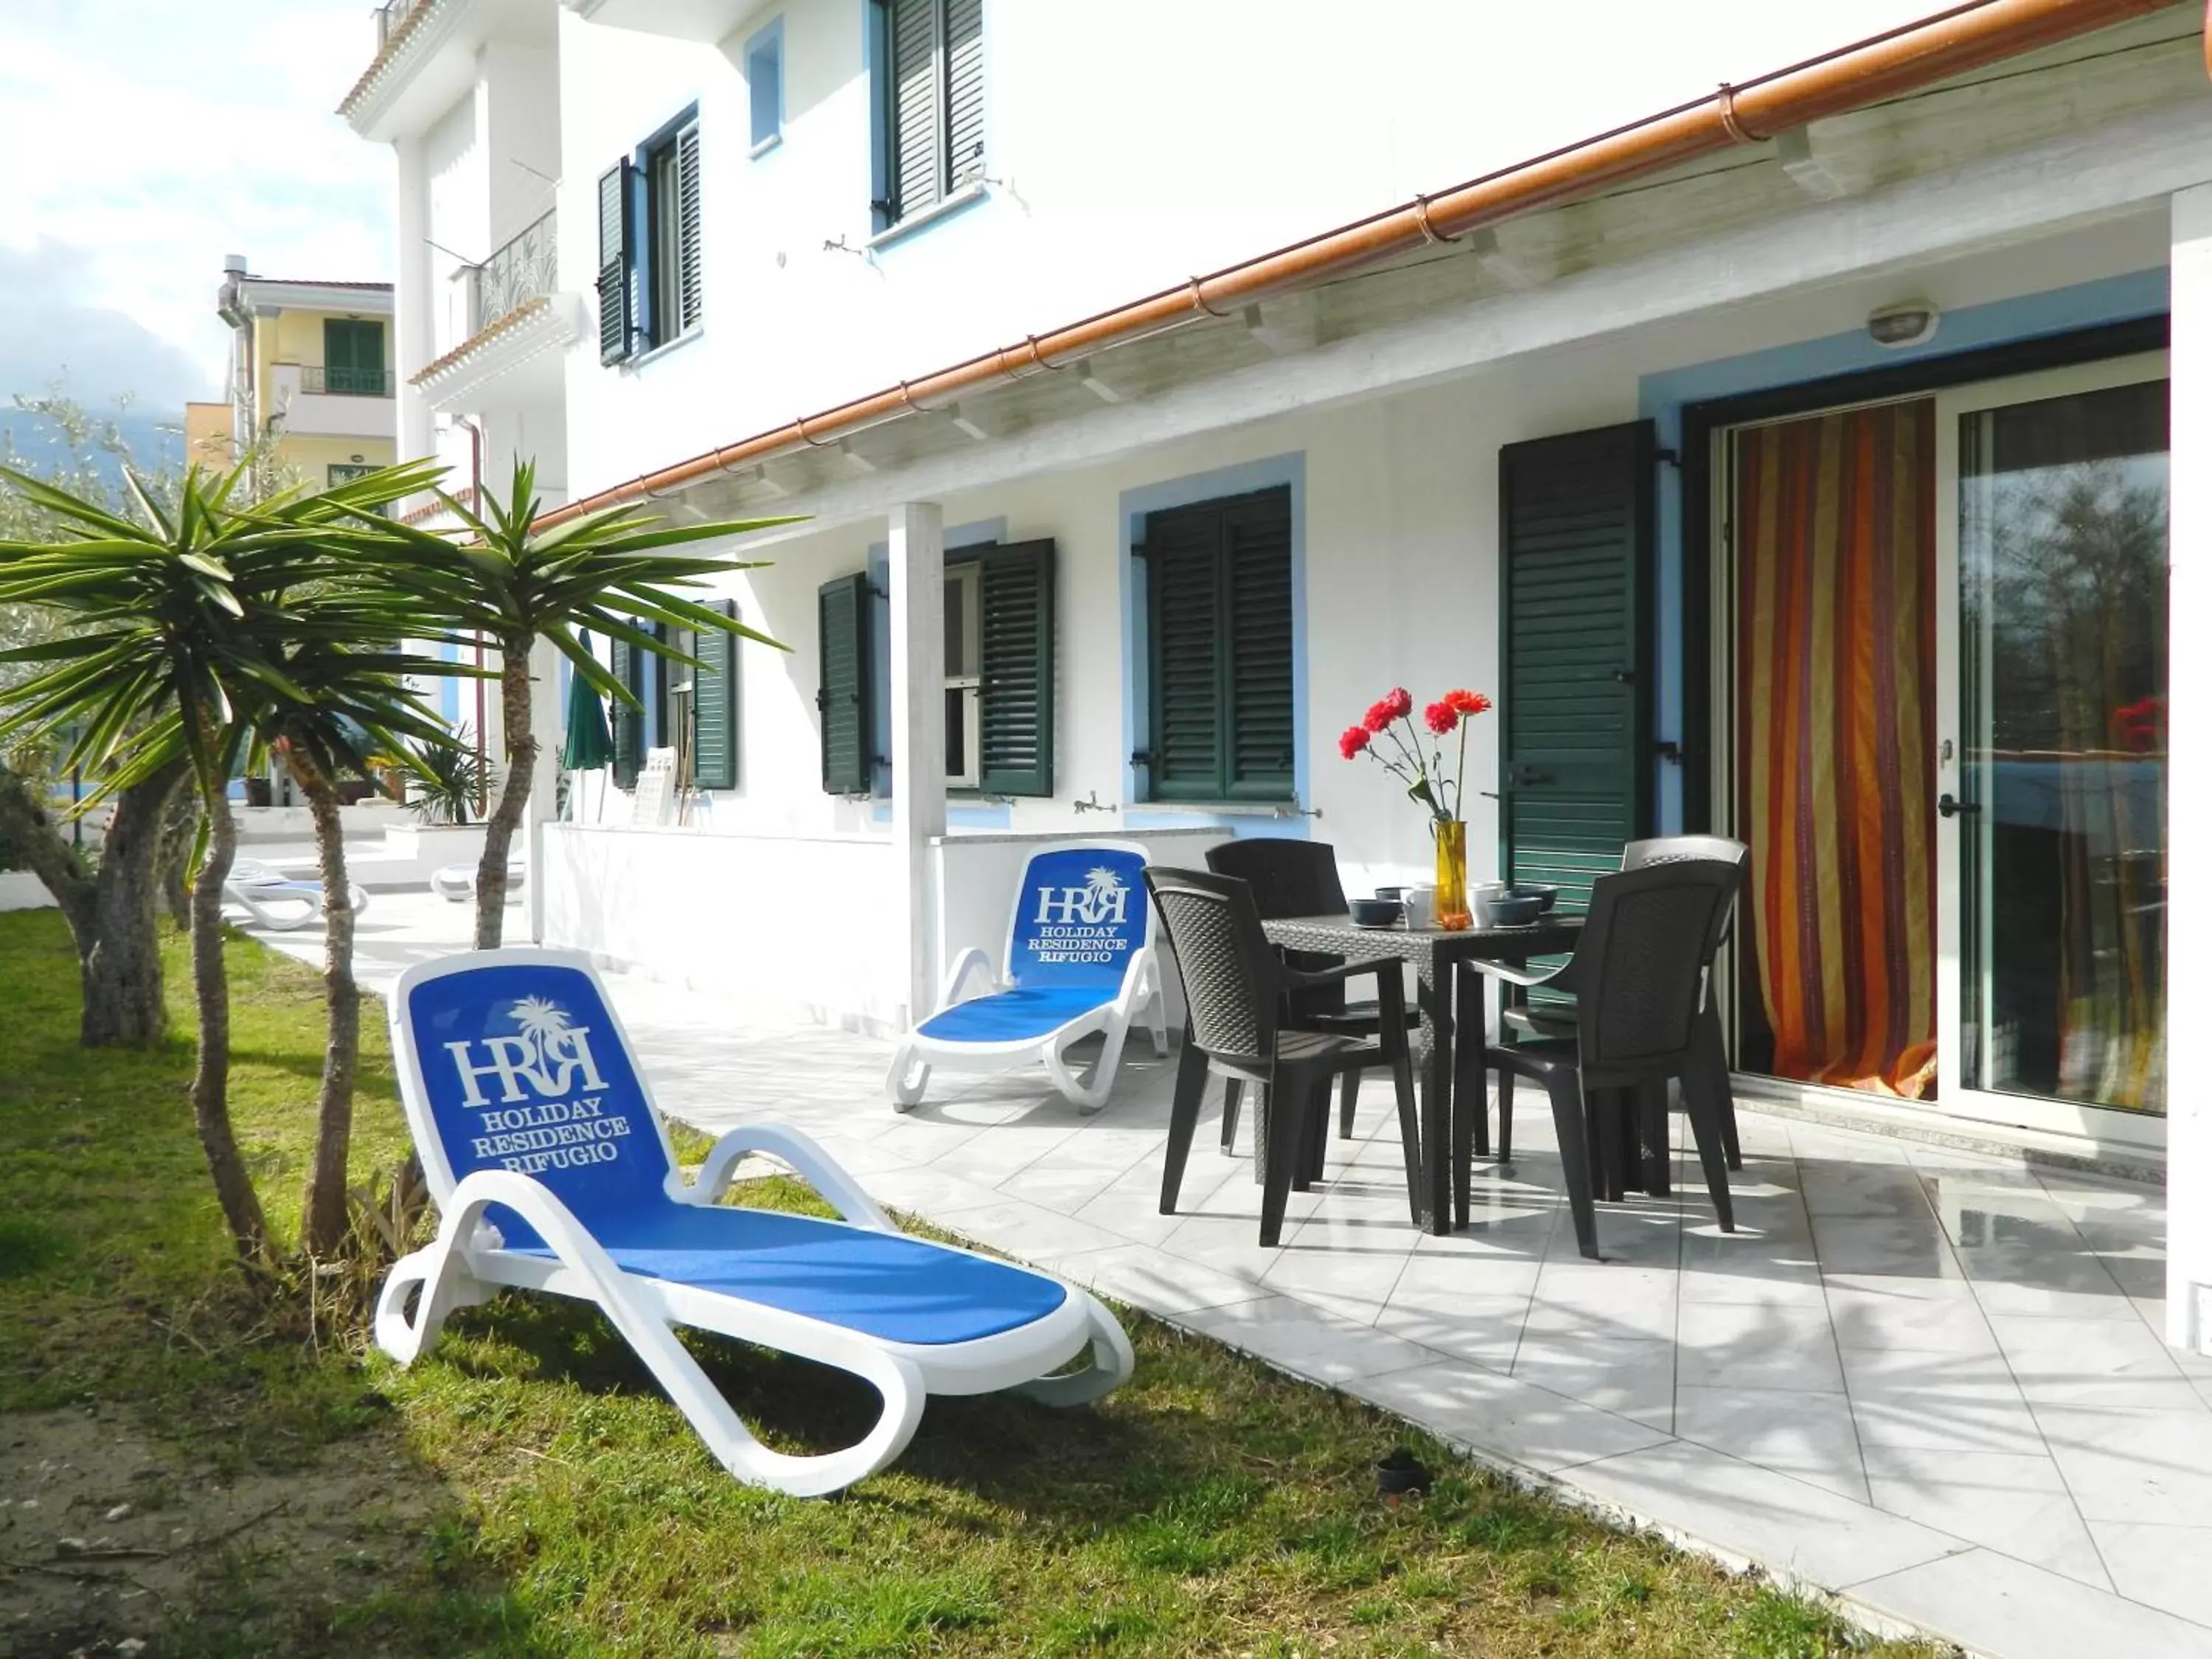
point(353, 356)
point(1574, 551)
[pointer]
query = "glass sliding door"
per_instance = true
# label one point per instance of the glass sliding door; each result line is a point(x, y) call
point(2051, 640)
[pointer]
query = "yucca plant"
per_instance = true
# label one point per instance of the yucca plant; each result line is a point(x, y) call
point(610, 570)
point(193, 631)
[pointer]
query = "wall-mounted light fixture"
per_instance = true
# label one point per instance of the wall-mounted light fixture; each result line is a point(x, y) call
point(1911, 322)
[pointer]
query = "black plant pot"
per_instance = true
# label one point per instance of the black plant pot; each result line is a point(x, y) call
point(1401, 1475)
point(259, 792)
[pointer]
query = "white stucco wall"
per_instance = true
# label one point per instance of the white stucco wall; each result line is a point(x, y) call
point(1177, 139)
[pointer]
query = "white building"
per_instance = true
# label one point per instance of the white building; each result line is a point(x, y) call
point(1793, 464)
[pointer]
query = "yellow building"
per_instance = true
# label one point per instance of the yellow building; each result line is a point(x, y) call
point(311, 378)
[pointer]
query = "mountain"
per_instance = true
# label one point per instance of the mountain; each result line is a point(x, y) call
point(154, 438)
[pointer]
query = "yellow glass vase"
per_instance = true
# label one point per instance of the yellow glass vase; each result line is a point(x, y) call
point(1452, 912)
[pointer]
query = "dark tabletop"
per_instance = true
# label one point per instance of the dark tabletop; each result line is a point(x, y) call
point(1425, 947)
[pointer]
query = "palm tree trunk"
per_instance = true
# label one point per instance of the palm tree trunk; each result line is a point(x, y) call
point(322, 1211)
point(122, 1004)
point(234, 1188)
point(521, 746)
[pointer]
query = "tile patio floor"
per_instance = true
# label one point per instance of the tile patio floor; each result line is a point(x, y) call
point(1929, 1381)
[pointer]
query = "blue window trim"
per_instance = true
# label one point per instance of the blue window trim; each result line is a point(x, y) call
point(1243, 479)
point(640, 216)
point(1664, 396)
point(883, 230)
point(981, 531)
point(769, 37)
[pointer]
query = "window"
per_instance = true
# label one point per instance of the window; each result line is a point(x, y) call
point(347, 472)
point(353, 356)
point(964, 675)
point(929, 90)
point(764, 85)
point(998, 674)
point(649, 282)
point(1219, 639)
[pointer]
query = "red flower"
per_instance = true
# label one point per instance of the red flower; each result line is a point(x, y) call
point(1468, 702)
point(1355, 738)
point(1394, 707)
point(1442, 717)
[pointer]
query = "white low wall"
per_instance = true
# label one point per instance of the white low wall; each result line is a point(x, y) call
point(22, 890)
point(786, 925)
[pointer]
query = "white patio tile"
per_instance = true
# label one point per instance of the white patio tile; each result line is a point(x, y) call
point(2147, 1467)
point(1811, 1437)
point(926, 1191)
point(1628, 1376)
point(1946, 1318)
point(1503, 1415)
point(1938, 1401)
point(2014, 1502)
point(1574, 1297)
point(1483, 1329)
point(1742, 1345)
point(1154, 1280)
point(1305, 1339)
point(2093, 1362)
point(1992, 1604)
point(1792, 1525)
point(1891, 1247)
point(1855, 1189)
point(2163, 1567)
point(1029, 1232)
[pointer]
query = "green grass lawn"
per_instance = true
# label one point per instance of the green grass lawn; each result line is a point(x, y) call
point(526, 1490)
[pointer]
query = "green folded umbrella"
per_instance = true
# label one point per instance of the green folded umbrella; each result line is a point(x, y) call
point(588, 744)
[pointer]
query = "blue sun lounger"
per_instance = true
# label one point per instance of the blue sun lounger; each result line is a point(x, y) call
point(1080, 962)
point(552, 1171)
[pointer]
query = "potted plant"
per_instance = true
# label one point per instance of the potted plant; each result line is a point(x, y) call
point(1412, 759)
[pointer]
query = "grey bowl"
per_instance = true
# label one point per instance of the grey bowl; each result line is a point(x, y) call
point(1515, 910)
point(1376, 912)
point(1537, 889)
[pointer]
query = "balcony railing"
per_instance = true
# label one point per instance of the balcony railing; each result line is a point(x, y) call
point(391, 14)
point(521, 270)
point(342, 382)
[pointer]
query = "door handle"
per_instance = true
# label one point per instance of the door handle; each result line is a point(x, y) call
point(1950, 805)
point(1530, 775)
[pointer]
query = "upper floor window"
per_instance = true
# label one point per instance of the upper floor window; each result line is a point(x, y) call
point(650, 286)
point(929, 89)
point(764, 84)
point(353, 356)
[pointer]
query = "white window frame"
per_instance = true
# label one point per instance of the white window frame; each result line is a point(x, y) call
point(963, 586)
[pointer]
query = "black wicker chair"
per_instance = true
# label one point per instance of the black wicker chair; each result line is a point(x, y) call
point(1637, 976)
point(1711, 1060)
point(1298, 879)
point(1234, 984)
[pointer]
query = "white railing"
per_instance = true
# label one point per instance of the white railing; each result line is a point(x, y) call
point(522, 270)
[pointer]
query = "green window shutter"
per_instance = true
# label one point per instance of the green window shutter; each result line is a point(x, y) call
point(1016, 670)
point(615, 258)
point(1256, 552)
point(714, 706)
point(630, 723)
point(1219, 583)
point(1575, 539)
point(915, 119)
point(353, 356)
point(964, 92)
point(846, 698)
point(691, 294)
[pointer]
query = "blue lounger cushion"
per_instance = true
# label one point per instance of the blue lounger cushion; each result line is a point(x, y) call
point(892, 1288)
point(1014, 1016)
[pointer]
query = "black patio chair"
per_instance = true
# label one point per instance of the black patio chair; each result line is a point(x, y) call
point(1638, 975)
point(1557, 1020)
point(1299, 879)
point(1234, 984)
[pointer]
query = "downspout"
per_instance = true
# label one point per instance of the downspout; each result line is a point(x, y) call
point(1867, 72)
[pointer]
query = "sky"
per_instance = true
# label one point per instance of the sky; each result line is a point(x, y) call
point(146, 139)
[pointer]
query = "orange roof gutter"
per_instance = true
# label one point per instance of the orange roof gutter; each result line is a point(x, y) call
point(1851, 77)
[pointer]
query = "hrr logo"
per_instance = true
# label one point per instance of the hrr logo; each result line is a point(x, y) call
point(1102, 901)
point(549, 1054)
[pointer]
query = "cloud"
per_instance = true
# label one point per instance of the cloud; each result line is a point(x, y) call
point(148, 140)
point(100, 354)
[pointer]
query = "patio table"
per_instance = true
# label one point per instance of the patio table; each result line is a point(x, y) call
point(1447, 997)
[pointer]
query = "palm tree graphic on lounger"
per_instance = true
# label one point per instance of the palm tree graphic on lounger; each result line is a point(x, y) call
point(1102, 894)
point(544, 1026)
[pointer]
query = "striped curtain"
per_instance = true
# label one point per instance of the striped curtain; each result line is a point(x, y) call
point(1835, 527)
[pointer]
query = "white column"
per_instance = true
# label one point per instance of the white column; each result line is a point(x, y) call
point(549, 721)
point(2189, 786)
point(917, 603)
point(410, 301)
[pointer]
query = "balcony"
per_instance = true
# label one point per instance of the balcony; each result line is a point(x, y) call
point(393, 15)
point(340, 382)
point(426, 57)
point(524, 270)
